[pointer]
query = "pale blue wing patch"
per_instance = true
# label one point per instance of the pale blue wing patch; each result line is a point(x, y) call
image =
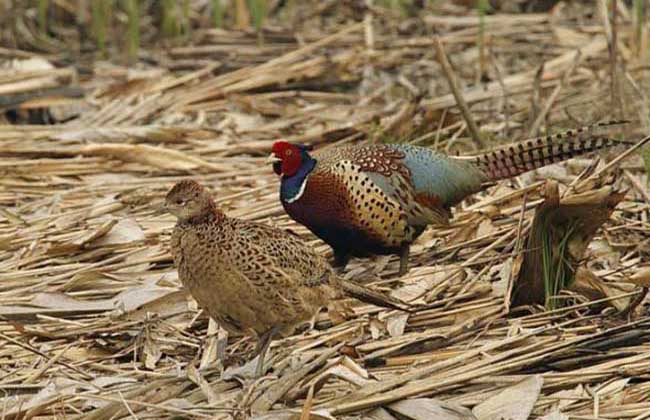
point(435, 174)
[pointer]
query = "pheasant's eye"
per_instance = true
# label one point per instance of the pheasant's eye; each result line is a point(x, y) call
point(288, 152)
point(180, 202)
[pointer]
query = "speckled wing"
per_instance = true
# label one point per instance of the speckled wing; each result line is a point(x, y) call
point(288, 261)
point(423, 184)
point(309, 270)
point(368, 188)
point(251, 276)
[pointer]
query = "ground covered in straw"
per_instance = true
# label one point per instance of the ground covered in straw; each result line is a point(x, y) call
point(95, 324)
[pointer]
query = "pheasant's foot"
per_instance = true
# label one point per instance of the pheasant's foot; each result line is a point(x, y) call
point(312, 322)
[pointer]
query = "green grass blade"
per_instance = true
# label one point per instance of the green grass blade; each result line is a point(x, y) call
point(217, 13)
point(133, 27)
point(258, 12)
point(43, 6)
point(99, 10)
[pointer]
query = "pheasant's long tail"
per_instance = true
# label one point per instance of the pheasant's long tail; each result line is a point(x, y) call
point(370, 296)
point(524, 156)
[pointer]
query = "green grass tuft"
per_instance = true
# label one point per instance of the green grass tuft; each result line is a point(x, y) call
point(217, 13)
point(43, 6)
point(558, 272)
point(186, 23)
point(100, 10)
point(133, 27)
point(400, 6)
point(258, 9)
point(170, 26)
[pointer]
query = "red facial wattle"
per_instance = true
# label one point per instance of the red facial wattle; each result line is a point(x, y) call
point(290, 158)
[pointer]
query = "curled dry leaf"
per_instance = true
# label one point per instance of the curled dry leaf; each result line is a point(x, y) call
point(396, 323)
point(124, 231)
point(485, 227)
point(345, 373)
point(593, 287)
point(515, 402)
point(82, 239)
point(561, 231)
point(168, 303)
point(641, 277)
point(151, 350)
point(195, 376)
point(500, 286)
point(566, 397)
point(211, 348)
point(417, 289)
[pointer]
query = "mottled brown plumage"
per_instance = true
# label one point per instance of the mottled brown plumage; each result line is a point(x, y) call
point(248, 276)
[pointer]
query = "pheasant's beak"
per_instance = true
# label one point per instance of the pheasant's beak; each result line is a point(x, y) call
point(272, 159)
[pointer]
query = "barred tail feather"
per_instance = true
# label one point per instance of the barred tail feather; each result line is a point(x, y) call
point(527, 155)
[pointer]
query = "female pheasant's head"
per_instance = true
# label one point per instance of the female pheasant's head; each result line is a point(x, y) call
point(188, 200)
point(289, 158)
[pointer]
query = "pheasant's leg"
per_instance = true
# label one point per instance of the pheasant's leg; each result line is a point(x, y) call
point(404, 259)
point(341, 259)
point(262, 347)
point(312, 321)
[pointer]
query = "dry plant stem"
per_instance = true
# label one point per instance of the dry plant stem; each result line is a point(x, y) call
point(504, 90)
point(636, 183)
point(614, 162)
point(47, 365)
point(305, 414)
point(142, 404)
point(460, 100)
point(31, 349)
point(635, 303)
point(277, 391)
point(536, 93)
point(414, 384)
point(519, 246)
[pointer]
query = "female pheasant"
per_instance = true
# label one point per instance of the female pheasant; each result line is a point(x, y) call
point(248, 276)
point(378, 198)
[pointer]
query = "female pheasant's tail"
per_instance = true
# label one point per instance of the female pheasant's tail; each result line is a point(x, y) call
point(524, 156)
point(370, 296)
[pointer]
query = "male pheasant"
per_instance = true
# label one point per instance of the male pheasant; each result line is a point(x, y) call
point(248, 276)
point(378, 198)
